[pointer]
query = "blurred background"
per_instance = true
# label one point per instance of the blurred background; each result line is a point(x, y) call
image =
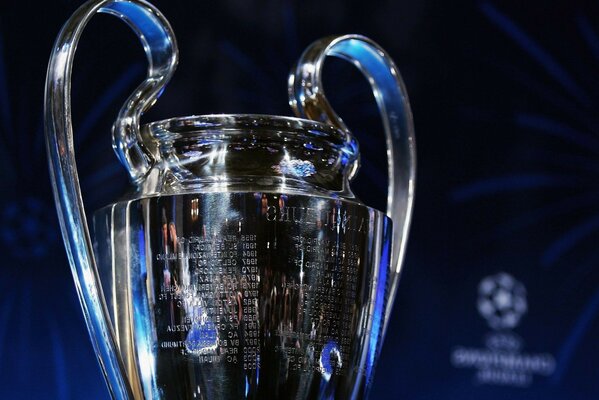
point(499, 297)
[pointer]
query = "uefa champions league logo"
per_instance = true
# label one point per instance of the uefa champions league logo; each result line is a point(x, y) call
point(501, 301)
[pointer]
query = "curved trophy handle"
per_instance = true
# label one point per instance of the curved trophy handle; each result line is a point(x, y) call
point(308, 100)
point(159, 44)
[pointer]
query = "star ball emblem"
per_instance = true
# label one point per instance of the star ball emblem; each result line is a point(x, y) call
point(501, 301)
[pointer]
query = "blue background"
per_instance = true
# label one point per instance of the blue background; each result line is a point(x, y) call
point(505, 97)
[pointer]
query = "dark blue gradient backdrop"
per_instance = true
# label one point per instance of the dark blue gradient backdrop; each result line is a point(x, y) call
point(499, 297)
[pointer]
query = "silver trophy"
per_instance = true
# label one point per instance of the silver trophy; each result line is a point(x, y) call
point(240, 265)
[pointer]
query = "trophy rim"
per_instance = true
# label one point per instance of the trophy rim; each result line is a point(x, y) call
point(189, 126)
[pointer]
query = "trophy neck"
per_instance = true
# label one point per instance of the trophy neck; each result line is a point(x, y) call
point(248, 152)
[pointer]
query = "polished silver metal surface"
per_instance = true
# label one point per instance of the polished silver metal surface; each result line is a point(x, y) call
point(243, 267)
point(233, 152)
point(308, 100)
point(239, 265)
point(244, 295)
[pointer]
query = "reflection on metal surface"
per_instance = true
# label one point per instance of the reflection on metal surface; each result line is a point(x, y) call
point(283, 286)
point(240, 250)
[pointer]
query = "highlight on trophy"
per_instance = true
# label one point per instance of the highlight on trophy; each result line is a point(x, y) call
point(239, 265)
